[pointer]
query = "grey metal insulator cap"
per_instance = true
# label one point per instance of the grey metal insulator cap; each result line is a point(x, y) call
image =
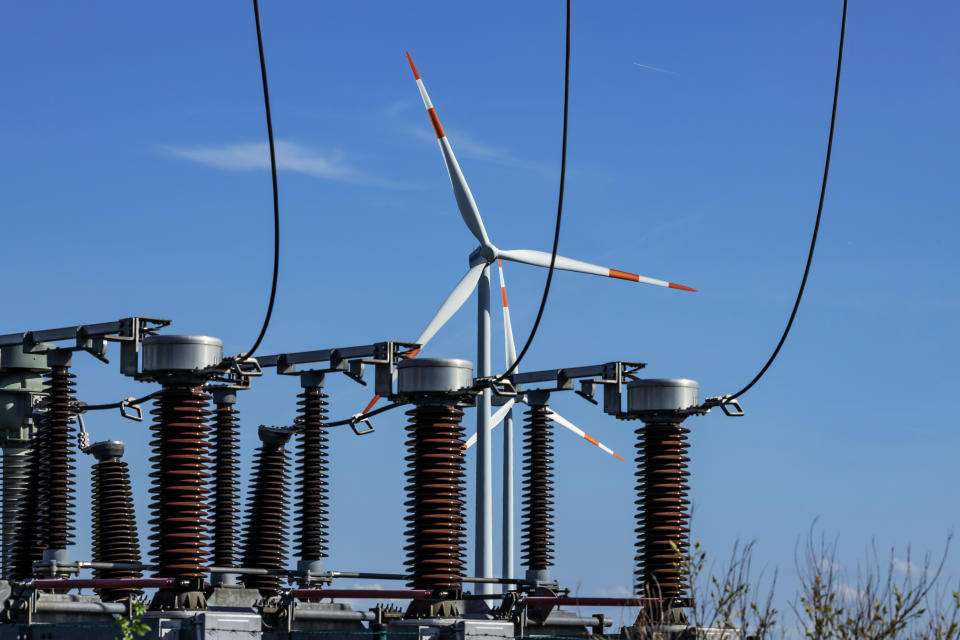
point(13, 357)
point(107, 449)
point(176, 353)
point(274, 435)
point(434, 375)
point(661, 395)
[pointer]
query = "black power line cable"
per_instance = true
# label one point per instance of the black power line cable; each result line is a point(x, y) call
point(816, 226)
point(556, 232)
point(276, 198)
point(116, 405)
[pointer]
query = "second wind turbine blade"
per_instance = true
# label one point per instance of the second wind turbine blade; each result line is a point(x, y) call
point(542, 259)
point(453, 302)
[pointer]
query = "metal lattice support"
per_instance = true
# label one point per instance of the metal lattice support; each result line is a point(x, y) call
point(435, 472)
point(266, 541)
point(537, 545)
point(313, 469)
point(663, 518)
point(114, 523)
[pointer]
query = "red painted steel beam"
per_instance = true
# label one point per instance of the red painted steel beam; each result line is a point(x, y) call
point(103, 583)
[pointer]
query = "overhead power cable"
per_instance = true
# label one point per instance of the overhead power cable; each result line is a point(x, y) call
point(816, 226)
point(276, 198)
point(556, 231)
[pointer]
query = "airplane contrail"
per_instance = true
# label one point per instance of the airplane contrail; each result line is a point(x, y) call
point(646, 66)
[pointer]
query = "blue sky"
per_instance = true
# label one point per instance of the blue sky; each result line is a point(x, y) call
point(135, 183)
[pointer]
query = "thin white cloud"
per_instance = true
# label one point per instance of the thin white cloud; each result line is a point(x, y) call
point(849, 593)
point(290, 157)
point(658, 69)
point(909, 569)
point(467, 146)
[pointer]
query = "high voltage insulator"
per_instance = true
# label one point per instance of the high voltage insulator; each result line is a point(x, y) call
point(435, 529)
point(29, 540)
point(312, 474)
point(266, 541)
point(538, 490)
point(663, 530)
point(181, 464)
point(181, 472)
point(114, 524)
point(16, 488)
point(21, 390)
point(226, 480)
point(57, 477)
point(663, 514)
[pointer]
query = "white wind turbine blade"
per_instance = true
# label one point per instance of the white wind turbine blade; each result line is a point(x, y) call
point(465, 201)
point(542, 259)
point(495, 420)
point(453, 302)
point(563, 422)
point(449, 307)
point(510, 346)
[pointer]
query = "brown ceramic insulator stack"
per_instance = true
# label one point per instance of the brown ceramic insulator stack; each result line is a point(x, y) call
point(114, 523)
point(226, 482)
point(180, 482)
point(30, 538)
point(266, 542)
point(663, 530)
point(16, 487)
point(313, 467)
point(56, 465)
point(538, 490)
point(435, 472)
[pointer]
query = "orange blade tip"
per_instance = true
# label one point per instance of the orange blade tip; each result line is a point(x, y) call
point(674, 285)
point(412, 67)
point(617, 456)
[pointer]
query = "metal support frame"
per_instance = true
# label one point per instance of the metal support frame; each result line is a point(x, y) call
point(93, 339)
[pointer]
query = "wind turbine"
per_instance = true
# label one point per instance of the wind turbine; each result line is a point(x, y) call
point(478, 277)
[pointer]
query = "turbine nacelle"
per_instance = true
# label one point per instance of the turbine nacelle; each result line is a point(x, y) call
point(484, 254)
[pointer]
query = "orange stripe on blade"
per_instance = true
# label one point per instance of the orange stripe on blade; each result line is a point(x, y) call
point(624, 275)
point(503, 292)
point(415, 74)
point(674, 285)
point(413, 354)
point(589, 439)
point(436, 122)
point(375, 400)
